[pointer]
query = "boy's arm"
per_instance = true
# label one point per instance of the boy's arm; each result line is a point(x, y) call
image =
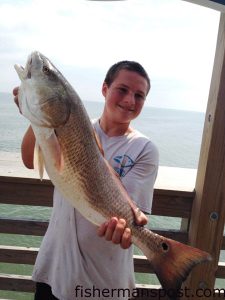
point(27, 148)
point(28, 143)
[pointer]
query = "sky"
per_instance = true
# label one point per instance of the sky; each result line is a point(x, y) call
point(173, 39)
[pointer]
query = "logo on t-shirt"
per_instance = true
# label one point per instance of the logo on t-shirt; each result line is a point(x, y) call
point(123, 164)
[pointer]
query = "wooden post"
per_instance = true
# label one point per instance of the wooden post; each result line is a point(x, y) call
point(208, 213)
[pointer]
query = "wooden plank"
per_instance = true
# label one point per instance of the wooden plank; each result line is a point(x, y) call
point(26, 192)
point(24, 180)
point(23, 226)
point(223, 243)
point(18, 255)
point(167, 203)
point(38, 228)
point(220, 272)
point(25, 284)
point(141, 264)
point(33, 192)
point(25, 255)
point(208, 213)
point(144, 292)
point(21, 283)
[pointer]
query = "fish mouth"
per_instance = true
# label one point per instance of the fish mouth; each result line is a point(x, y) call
point(20, 71)
point(24, 73)
point(35, 59)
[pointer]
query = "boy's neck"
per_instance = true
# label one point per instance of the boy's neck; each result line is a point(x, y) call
point(114, 129)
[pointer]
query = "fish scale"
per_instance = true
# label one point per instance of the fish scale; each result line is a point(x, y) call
point(75, 165)
point(92, 170)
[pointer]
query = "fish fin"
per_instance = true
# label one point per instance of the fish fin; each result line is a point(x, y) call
point(174, 261)
point(55, 151)
point(38, 160)
point(98, 142)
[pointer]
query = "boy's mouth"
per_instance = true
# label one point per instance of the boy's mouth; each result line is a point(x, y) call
point(126, 108)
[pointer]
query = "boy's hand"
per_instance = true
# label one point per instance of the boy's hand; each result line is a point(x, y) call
point(15, 94)
point(116, 231)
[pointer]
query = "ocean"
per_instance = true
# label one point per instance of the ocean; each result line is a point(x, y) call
point(176, 133)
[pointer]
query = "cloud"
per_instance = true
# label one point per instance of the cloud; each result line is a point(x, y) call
point(173, 39)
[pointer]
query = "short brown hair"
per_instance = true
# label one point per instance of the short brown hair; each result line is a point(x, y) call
point(126, 65)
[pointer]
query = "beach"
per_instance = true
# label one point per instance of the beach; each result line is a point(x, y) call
point(168, 177)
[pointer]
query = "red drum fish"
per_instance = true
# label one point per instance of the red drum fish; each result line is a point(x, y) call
point(66, 146)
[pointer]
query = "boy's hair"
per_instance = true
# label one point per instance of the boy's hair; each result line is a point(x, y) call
point(126, 65)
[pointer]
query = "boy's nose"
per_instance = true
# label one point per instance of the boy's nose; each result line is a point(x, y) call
point(129, 98)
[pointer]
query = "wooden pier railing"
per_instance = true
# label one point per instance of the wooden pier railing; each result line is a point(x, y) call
point(31, 191)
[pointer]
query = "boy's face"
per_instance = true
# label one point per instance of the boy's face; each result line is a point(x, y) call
point(125, 96)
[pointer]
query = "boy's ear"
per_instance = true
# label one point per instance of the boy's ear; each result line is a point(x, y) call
point(104, 89)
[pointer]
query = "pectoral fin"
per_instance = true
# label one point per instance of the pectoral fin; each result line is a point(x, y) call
point(38, 160)
point(55, 151)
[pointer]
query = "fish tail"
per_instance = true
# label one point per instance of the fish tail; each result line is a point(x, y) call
point(173, 261)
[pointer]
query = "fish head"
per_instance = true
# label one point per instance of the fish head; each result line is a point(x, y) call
point(43, 94)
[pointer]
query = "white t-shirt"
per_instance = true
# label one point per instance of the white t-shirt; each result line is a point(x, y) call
point(72, 259)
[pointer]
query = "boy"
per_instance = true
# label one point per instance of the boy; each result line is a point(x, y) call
point(74, 261)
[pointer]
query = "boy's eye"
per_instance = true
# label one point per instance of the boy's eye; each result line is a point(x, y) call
point(123, 90)
point(139, 96)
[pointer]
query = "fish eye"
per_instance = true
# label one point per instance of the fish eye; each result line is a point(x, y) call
point(46, 70)
point(165, 246)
